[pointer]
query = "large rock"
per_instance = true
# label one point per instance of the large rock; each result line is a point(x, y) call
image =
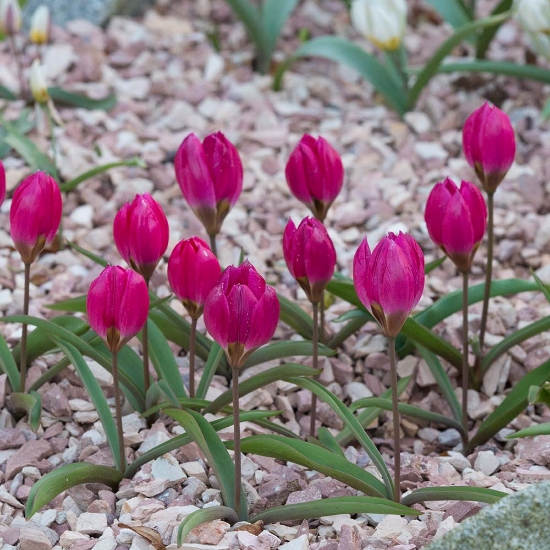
point(516, 521)
point(95, 11)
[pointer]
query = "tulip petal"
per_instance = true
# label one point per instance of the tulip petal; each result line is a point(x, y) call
point(361, 261)
point(217, 317)
point(264, 320)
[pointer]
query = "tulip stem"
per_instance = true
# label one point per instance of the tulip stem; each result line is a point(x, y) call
point(192, 339)
point(145, 350)
point(396, 438)
point(465, 363)
point(236, 439)
point(213, 246)
point(315, 342)
point(23, 360)
point(487, 291)
point(118, 413)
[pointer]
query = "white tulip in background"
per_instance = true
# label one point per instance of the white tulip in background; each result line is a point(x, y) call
point(10, 17)
point(39, 86)
point(383, 22)
point(40, 25)
point(534, 18)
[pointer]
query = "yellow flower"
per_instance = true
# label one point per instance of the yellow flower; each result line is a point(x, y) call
point(39, 87)
point(40, 25)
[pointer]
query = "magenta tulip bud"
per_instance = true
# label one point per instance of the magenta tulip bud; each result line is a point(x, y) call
point(315, 174)
point(2, 183)
point(310, 256)
point(35, 215)
point(389, 282)
point(210, 176)
point(117, 305)
point(140, 231)
point(241, 313)
point(456, 220)
point(489, 145)
point(193, 272)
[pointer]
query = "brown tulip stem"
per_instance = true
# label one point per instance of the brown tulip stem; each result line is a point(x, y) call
point(145, 350)
point(192, 341)
point(118, 414)
point(465, 363)
point(17, 57)
point(488, 279)
point(213, 245)
point(23, 359)
point(315, 342)
point(322, 320)
point(236, 439)
point(395, 408)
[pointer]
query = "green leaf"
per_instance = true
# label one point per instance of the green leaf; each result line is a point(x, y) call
point(31, 403)
point(71, 185)
point(8, 366)
point(185, 439)
point(351, 422)
point(477, 494)
point(156, 393)
point(432, 265)
point(72, 99)
point(514, 403)
point(350, 328)
point(65, 477)
point(250, 17)
point(96, 395)
point(218, 458)
point(76, 305)
point(329, 441)
point(546, 110)
point(280, 350)
point(453, 11)
point(275, 428)
point(214, 358)
point(368, 416)
point(531, 72)
point(347, 53)
point(163, 359)
point(443, 381)
point(328, 506)
point(486, 37)
point(204, 515)
point(517, 337)
point(532, 431)
point(7, 94)
point(260, 380)
point(539, 394)
point(90, 255)
point(433, 65)
point(406, 410)
point(314, 458)
point(295, 317)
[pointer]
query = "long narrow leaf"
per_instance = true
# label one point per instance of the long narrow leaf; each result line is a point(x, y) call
point(65, 477)
point(329, 441)
point(280, 350)
point(96, 395)
point(531, 72)
point(477, 494)
point(8, 365)
point(330, 506)
point(250, 17)
point(204, 515)
point(452, 11)
point(532, 431)
point(486, 37)
point(351, 422)
point(73, 99)
point(295, 317)
point(274, 14)
point(31, 403)
point(214, 358)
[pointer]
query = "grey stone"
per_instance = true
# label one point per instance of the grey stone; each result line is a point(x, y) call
point(97, 12)
point(516, 521)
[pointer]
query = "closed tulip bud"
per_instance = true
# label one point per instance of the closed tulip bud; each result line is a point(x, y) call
point(40, 25)
point(389, 282)
point(310, 256)
point(10, 17)
point(456, 220)
point(193, 272)
point(489, 145)
point(383, 22)
point(241, 313)
point(39, 86)
point(210, 175)
point(315, 174)
point(2, 183)
point(140, 231)
point(35, 215)
point(117, 305)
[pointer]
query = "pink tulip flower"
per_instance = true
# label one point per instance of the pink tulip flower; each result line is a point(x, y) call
point(315, 174)
point(210, 175)
point(140, 231)
point(2, 183)
point(310, 256)
point(241, 313)
point(117, 305)
point(389, 282)
point(35, 215)
point(489, 145)
point(456, 220)
point(193, 272)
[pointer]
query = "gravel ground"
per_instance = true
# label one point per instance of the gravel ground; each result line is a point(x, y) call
point(170, 81)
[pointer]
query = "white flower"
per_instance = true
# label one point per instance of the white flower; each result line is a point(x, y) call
point(383, 22)
point(40, 25)
point(10, 16)
point(39, 86)
point(534, 18)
